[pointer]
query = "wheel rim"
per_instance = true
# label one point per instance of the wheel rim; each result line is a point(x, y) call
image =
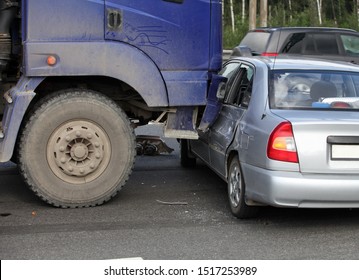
point(235, 186)
point(78, 151)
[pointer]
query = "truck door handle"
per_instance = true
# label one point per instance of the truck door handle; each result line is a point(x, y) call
point(174, 1)
point(114, 19)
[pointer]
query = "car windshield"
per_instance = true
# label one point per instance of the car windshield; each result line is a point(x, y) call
point(314, 90)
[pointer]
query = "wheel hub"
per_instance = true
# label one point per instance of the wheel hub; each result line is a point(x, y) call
point(78, 149)
point(235, 187)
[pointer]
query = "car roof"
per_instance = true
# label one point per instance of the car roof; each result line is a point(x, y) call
point(298, 63)
point(308, 29)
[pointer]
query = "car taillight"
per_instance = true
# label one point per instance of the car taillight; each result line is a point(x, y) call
point(269, 54)
point(340, 105)
point(281, 144)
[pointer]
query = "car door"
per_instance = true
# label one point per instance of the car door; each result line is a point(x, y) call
point(234, 107)
point(200, 147)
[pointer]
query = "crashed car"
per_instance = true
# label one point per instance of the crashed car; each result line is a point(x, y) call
point(285, 134)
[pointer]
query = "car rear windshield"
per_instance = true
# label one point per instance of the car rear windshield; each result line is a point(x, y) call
point(328, 90)
point(256, 41)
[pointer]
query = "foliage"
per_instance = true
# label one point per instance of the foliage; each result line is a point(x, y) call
point(334, 13)
point(230, 39)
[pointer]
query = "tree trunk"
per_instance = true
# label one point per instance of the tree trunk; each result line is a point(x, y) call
point(334, 14)
point(264, 13)
point(223, 10)
point(232, 15)
point(243, 11)
point(319, 7)
point(252, 14)
point(290, 10)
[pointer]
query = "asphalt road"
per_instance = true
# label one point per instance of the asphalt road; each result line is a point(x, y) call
point(137, 223)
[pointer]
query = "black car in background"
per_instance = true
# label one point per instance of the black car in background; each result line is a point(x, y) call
point(317, 42)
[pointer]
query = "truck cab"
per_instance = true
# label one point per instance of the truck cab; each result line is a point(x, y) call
point(78, 76)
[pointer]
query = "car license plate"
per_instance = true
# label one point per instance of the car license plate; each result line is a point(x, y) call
point(345, 152)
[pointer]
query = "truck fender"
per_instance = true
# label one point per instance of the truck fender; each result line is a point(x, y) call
point(102, 58)
point(18, 100)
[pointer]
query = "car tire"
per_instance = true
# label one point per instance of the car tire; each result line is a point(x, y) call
point(187, 159)
point(77, 149)
point(236, 192)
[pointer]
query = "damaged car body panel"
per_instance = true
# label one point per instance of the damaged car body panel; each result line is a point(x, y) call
point(286, 134)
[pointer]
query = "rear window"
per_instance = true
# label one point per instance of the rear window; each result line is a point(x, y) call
point(314, 90)
point(256, 41)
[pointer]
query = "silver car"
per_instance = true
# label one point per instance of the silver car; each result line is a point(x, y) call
point(284, 133)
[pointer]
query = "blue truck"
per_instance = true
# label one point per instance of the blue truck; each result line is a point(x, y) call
point(77, 77)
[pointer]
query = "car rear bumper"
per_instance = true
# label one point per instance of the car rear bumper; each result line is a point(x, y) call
point(294, 189)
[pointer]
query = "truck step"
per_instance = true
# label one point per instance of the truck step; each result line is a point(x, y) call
point(181, 134)
point(181, 124)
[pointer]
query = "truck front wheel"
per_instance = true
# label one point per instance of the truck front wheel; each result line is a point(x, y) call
point(77, 149)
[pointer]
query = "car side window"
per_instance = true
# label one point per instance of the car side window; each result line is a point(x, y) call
point(294, 44)
point(228, 71)
point(241, 91)
point(350, 44)
point(321, 44)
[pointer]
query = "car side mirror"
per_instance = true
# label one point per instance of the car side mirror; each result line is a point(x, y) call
point(221, 91)
point(241, 51)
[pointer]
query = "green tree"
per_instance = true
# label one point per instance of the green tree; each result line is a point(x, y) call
point(339, 13)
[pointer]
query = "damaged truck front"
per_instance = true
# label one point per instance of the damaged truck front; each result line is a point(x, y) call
point(78, 76)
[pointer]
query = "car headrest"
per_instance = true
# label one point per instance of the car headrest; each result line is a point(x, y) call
point(322, 89)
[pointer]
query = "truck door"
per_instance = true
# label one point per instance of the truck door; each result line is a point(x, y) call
point(174, 33)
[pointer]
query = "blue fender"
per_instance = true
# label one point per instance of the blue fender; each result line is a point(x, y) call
point(19, 98)
point(99, 58)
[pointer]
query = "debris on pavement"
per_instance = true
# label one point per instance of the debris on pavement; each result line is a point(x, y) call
point(172, 203)
point(150, 145)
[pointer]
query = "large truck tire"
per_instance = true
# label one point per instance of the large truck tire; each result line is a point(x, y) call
point(77, 149)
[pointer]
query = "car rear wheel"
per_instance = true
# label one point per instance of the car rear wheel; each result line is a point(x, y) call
point(236, 192)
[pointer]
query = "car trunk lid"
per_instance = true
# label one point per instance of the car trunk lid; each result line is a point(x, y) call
point(326, 141)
